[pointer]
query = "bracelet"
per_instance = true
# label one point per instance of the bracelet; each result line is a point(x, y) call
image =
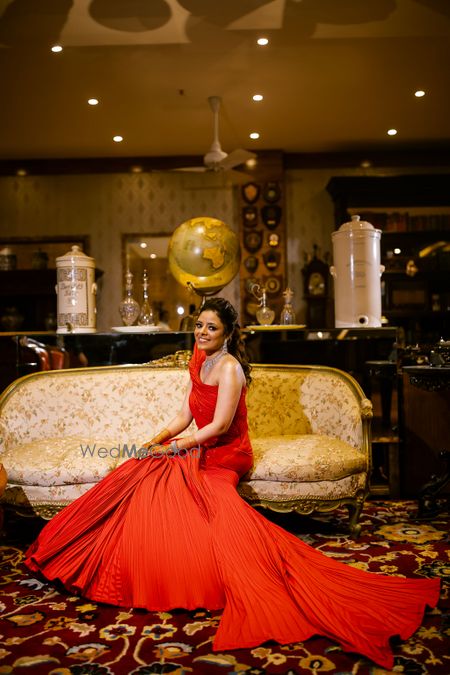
point(161, 437)
point(190, 442)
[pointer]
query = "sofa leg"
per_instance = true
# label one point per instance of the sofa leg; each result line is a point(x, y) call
point(354, 513)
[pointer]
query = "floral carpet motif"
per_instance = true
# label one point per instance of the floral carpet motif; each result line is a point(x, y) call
point(45, 630)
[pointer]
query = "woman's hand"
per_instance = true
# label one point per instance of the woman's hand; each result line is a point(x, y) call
point(153, 450)
point(163, 435)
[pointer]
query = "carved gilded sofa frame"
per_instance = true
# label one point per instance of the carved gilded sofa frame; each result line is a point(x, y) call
point(309, 425)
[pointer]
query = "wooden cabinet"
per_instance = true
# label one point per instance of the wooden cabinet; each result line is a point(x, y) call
point(27, 300)
point(381, 386)
point(426, 415)
point(416, 283)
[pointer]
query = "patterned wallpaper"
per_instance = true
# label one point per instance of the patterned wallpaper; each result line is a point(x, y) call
point(107, 205)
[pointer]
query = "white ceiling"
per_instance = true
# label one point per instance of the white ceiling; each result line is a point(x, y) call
point(336, 75)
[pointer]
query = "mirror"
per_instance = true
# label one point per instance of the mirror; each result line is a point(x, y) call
point(171, 302)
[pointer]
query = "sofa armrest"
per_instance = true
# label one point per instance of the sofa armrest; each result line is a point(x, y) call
point(5, 438)
point(336, 406)
point(292, 400)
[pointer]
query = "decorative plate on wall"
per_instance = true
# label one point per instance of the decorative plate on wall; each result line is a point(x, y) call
point(272, 259)
point(271, 216)
point(274, 239)
point(273, 284)
point(250, 216)
point(250, 192)
point(251, 264)
point(272, 192)
point(253, 240)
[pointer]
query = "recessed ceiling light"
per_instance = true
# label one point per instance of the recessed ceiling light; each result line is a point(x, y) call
point(117, 139)
point(57, 48)
point(257, 97)
point(143, 244)
point(392, 132)
point(254, 135)
point(21, 172)
point(136, 168)
point(419, 93)
point(262, 41)
point(93, 101)
point(153, 256)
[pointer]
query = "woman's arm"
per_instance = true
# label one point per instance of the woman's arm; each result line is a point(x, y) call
point(179, 423)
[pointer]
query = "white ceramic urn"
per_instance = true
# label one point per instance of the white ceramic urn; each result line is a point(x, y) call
point(357, 274)
point(76, 290)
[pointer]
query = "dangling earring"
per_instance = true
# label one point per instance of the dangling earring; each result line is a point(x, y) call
point(225, 347)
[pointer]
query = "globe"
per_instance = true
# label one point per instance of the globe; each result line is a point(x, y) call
point(204, 254)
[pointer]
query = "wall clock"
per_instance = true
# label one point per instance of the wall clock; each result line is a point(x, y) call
point(315, 283)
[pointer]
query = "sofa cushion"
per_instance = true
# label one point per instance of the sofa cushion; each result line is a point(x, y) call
point(304, 458)
point(60, 461)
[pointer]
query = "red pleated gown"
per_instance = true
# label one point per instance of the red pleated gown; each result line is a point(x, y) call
point(172, 532)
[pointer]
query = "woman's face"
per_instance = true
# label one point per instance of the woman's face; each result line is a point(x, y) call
point(209, 332)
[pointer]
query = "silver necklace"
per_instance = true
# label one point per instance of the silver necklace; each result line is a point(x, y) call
point(211, 362)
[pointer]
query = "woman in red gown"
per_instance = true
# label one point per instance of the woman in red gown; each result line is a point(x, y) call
point(170, 531)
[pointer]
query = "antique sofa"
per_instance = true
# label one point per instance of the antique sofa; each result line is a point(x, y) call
point(62, 431)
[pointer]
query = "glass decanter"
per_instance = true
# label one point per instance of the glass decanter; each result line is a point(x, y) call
point(146, 316)
point(287, 316)
point(264, 314)
point(129, 309)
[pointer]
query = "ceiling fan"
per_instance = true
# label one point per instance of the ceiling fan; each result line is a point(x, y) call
point(216, 159)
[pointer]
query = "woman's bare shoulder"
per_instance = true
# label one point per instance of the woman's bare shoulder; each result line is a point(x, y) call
point(230, 367)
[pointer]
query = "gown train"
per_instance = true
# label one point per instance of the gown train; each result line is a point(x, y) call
point(172, 532)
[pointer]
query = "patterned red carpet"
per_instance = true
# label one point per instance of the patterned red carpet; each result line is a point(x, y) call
point(44, 630)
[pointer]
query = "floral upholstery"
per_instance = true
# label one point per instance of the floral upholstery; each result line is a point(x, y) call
point(304, 401)
point(119, 403)
point(61, 461)
point(62, 431)
point(304, 458)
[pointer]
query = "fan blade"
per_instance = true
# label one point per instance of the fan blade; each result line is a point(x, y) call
point(236, 158)
point(191, 169)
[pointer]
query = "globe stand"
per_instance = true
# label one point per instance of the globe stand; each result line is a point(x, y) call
point(202, 292)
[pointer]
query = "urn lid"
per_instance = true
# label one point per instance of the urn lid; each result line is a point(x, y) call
point(356, 225)
point(75, 257)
